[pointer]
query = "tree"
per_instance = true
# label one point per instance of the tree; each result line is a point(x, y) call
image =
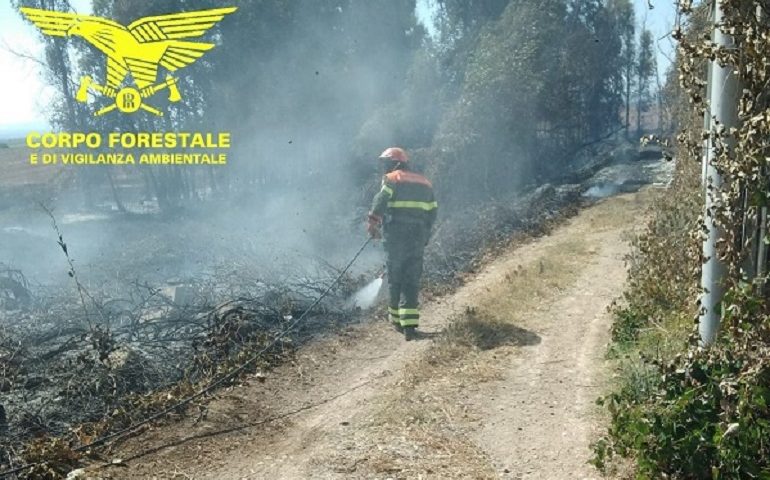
point(645, 71)
point(459, 23)
point(623, 13)
point(593, 65)
point(59, 71)
point(540, 82)
point(484, 140)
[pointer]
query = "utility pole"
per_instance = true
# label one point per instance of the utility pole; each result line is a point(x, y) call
point(706, 128)
point(761, 245)
point(723, 103)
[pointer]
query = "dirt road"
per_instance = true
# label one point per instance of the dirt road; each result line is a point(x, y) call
point(502, 384)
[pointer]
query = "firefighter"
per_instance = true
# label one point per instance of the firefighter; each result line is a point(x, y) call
point(405, 209)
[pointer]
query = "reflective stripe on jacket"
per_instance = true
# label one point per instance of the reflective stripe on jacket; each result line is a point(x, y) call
point(406, 197)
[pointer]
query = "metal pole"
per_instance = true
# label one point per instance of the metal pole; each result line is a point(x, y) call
point(706, 127)
point(761, 245)
point(723, 105)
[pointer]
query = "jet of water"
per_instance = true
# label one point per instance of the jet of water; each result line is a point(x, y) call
point(365, 297)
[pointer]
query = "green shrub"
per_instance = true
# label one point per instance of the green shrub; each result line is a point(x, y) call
point(627, 324)
point(707, 416)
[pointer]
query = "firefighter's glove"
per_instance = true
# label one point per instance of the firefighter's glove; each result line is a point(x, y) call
point(373, 226)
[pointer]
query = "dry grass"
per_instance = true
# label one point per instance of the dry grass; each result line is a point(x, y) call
point(423, 426)
point(19, 172)
point(613, 213)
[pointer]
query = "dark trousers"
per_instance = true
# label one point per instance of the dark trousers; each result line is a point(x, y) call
point(405, 245)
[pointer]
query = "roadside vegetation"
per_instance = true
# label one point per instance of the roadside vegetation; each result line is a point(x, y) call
point(678, 410)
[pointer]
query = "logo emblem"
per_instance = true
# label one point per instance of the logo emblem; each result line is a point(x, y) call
point(137, 49)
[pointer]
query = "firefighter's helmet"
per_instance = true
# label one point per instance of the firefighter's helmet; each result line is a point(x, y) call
point(395, 154)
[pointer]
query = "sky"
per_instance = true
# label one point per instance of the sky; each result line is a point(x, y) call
point(660, 21)
point(23, 92)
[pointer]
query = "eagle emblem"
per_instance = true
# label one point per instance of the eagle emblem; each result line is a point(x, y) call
point(138, 49)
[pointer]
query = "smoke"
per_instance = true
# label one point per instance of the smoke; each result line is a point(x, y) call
point(294, 83)
point(602, 191)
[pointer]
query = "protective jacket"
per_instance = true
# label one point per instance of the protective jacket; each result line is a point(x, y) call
point(407, 208)
point(405, 197)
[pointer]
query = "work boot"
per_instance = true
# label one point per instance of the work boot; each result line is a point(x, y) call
point(410, 333)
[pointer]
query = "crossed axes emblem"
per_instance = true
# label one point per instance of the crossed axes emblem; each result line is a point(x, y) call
point(127, 99)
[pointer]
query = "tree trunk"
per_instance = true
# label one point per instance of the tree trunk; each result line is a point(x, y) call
point(628, 98)
point(115, 196)
point(639, 108)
